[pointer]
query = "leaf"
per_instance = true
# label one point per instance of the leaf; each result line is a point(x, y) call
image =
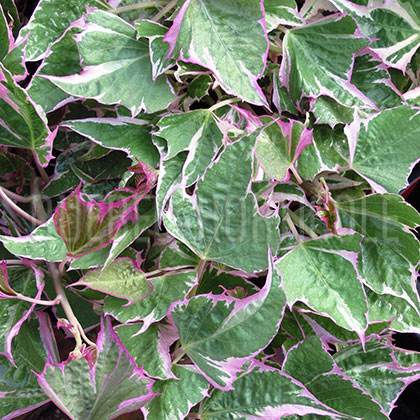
point(88, 225)
point(176, 396)
point(13, 311)
point(220, 334)
point(150, 348)
point(283, 12)
point(376, 370)
point(119, 74)
point(374, 143)
point(42, 33)
point(313, 273)
point(389, 252)
point(279, 145)
point(42, 244)
point(311, 66)
point(311, 365)
point(198, 35)
point(394, 32)
point(121, 278)
point(114, 387)
point(282, 394)
point(127, 134)
point(22, 125)
point(167, 289)
point(220, 222)
point(328, 111)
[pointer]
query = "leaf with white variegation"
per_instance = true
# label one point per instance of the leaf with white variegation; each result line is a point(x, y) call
point(220, 221)
point(167, 289)
point(389, 252)
point(376, 368)
point(127, 134)
point(21, 123)
point(394, 30)
point(281, 12)
point(221, 334)
point(311, 66)
point(379, 148)
point(263, 393)
point(199, 35)
point(311, 365)
point(176, 396)
point(313, 273)
point(150, 348)
point(116, 67)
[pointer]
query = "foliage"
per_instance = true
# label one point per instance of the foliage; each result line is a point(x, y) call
point(204, 196)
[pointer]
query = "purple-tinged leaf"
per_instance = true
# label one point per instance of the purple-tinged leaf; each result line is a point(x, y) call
point(122, 278)
point(150, 348)
point(114, 386)
point(237, 56)
point(221, 334)
point(177, 396)
point(263, 393)
point(311, 365)
point(279, 145)
point(167, 289)
point(88, 225)
point(21, 123)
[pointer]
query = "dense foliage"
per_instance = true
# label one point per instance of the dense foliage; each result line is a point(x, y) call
point(200, 209)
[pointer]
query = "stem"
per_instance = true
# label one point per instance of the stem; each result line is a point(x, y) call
point(292, 227)
point(62, 265)
point(297, 176)
point(223, 103)
point(201, 269)
point(17, 197)
point(56, 301)
point(71, 318)
point(144, 5)
point(166, 9)
point(276, 48)
point(301, 224)
point(178, 357)
point(14, 262)
point(41, 170)
point(37, 201)
point(17, 209)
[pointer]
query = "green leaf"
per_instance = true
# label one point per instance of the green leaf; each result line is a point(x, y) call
point(176, 397)
point(42, 33)
point(42, 244)
point(389, 251)
point(261, 394)
point(22, 124)
point(221, 334)
point(6, 38)
point(313, 273)
point(380, 153)
point(220, 222)
point(328, 111)
point(376, 370)
point(311, 66)
point(167, 289)
point(116, 68)
point(127, 134)
point(149, 349)
point(279, 145)
point(311, 365)
point(236, 56)
point(116, 386)
point(394, 32)
point(121, 278)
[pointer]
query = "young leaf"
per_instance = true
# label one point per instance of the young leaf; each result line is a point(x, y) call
point(220, 222)
point(221, 334)
point(313, 273)
point(121, 278)
point(198, 35)
point(116, 67)
point(113, 387)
